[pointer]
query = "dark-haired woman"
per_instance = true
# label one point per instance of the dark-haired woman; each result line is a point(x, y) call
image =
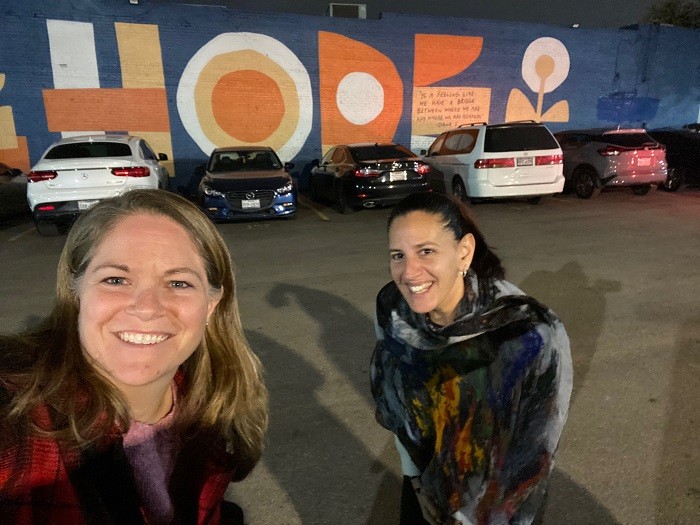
point(471, 375)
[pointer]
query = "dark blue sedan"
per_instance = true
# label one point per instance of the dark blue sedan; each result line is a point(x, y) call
point(247, 183)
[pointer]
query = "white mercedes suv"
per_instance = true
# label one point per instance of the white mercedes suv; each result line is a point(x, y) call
point(77, 172)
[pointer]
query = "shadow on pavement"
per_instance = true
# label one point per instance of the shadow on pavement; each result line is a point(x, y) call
point(580, 305)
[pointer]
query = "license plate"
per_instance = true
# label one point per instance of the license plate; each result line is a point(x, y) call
point(84, 205)
point(644, 162)
point(397, 175)
point(525, 161)
point(248, 204)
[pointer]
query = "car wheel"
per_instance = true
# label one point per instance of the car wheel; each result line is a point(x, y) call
point(586, 183)
point(342, 201)
point(47, 228)
point(535, 200)
point(313, 191)
point(641, 189)
point(674, 180)
point(458, 189)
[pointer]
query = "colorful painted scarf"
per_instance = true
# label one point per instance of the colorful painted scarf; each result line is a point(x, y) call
point(479, 405)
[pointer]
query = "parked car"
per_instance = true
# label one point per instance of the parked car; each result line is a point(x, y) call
point(247, 183)
point(367, 175)
point(13, 191)
point(682, 156)
point(76, 172)
point(596, 158)
point(516, 159)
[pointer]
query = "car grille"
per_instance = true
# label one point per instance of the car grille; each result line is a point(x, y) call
point(234, 199)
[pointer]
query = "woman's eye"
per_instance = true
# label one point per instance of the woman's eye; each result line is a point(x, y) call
point(396, 256)
point(181, 285)
point(426, 251)
point(114, 280)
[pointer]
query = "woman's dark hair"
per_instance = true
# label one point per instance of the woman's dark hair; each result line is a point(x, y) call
point(457, 219)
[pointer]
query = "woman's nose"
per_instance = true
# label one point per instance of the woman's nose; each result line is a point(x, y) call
point(146, 303)
point(412, 267)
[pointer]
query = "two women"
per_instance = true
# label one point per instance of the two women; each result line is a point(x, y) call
point(472, 376)
point(138, 399)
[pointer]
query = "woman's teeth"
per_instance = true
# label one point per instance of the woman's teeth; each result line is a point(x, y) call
point(142, 339)
point(419, 288)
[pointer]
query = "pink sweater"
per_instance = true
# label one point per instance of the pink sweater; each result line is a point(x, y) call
point(151, 450)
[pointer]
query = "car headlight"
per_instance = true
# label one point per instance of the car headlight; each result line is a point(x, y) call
point(285, 189)
point(211, 191)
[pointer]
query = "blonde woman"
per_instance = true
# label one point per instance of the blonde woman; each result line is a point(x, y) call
point(138, 399)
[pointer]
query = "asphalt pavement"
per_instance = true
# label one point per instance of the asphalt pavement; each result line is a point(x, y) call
point(620, 270)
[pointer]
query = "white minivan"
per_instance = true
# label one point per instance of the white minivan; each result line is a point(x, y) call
point(515, 159)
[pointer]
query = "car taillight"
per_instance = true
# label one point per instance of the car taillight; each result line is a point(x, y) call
point(547, 160)
point(134, 171)
point(46, 207)
point(367, 172)
point(495, 163)
point(610, 151)
point(38, 176)
point(422, 168)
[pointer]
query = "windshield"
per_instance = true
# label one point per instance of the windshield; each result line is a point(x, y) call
point(363, 153)
point(248, 160)
point(87, 150)
point(518, 138)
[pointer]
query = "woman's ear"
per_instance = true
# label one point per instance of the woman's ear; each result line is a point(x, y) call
point(214, 299)
point(467, 245)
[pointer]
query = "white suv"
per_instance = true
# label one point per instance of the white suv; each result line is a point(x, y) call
point(517, 159)
point(76, 172)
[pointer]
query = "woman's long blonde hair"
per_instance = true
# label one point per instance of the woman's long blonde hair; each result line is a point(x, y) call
point(222, 391)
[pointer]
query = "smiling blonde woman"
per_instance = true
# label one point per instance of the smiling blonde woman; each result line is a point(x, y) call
point(138, 399)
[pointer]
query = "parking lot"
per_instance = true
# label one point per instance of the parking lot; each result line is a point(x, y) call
point(621, 271)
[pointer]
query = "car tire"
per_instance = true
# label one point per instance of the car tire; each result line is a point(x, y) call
point(641, 189)
point(458, 189)
point(341, 201)
point(534, 200)
point(674, 180)
point(47, 228)
point(586, 183)
point(313, 192)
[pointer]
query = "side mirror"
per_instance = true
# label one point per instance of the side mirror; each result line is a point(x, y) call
point(162, 156)
point(288, 166)
point(314, 163)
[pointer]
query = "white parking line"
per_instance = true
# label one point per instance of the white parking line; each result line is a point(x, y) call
point(12, 239)
point(307, 204)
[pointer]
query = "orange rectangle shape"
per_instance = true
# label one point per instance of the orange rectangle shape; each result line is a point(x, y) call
point(118, 109)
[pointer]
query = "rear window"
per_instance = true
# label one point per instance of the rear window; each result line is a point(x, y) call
point(86, 150)
point(517, 138)
point(380, 152)
point(629, 140)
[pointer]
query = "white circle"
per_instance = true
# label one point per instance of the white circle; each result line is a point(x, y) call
point(360, 98)
point(272, 49)
point(553, 48)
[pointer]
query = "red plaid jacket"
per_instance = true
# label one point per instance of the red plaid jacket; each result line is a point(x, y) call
point(42, 482)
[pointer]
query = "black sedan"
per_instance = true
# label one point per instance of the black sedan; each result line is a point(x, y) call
point(368, 175)
point(682, 156)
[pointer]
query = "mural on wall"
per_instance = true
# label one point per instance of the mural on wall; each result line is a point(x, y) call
point(78, 105)
point(361, 93)
point(246, 89)
point(437, 109)
point(13, 149)
point(190, 78)
point(544, 68)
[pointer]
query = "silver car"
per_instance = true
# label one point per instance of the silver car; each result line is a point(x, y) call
point(76, 172)
point(596, 158)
